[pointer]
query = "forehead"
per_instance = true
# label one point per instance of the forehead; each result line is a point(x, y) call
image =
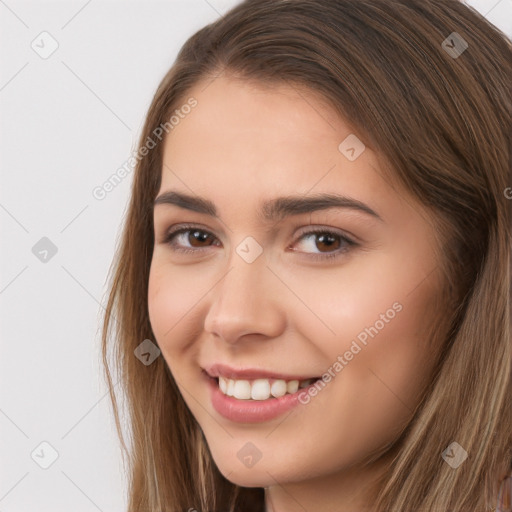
point(275, 114)
point(243, 141)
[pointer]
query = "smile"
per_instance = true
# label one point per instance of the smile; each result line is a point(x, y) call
point(246, 397)
point(260, 389)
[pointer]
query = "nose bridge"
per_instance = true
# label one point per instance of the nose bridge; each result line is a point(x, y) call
point(244, 301)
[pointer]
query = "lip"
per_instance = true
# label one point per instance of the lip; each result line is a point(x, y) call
point(250, 411)
point(222, 370)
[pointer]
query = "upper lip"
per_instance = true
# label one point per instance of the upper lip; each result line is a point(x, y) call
point(222, 370)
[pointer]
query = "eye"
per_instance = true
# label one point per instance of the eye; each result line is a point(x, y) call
point(190, 236)
point(331, 244)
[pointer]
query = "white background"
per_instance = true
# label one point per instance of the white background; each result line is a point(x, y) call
point(67, 123)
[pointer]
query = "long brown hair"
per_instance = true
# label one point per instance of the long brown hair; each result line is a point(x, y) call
point(427, 85)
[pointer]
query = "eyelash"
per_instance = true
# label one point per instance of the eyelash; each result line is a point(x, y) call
point(169, 237)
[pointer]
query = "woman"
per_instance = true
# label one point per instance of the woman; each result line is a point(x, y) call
point(312, 290)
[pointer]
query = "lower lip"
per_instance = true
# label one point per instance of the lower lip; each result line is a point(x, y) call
point(251, 411)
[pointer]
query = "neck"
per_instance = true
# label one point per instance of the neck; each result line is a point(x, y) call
point(349, 490)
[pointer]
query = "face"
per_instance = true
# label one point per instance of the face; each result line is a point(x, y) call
point(341, 289)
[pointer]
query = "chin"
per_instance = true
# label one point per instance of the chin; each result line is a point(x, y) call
point(249, 477)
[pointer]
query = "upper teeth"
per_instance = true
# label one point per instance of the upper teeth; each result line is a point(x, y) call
point(260, 389)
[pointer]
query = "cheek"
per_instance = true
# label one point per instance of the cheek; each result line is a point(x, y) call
point(158, 301)
point(171, 300)
point(368, 293)
point(380, 317)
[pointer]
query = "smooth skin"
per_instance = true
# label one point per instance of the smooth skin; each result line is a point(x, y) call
point(245, 143)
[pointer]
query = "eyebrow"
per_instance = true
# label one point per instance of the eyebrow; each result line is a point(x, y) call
point(272, 210)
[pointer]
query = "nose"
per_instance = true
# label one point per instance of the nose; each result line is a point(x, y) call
point(247, 301)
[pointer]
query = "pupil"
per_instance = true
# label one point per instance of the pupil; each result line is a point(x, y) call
point(326, 239)
point(199, 236)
